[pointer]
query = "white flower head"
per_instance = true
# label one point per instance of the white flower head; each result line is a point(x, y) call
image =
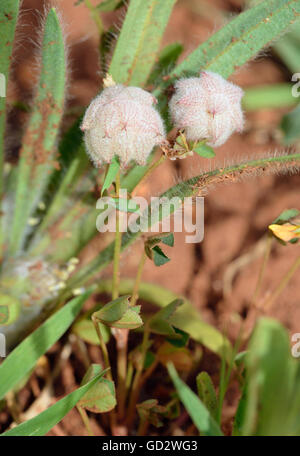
point(122, 121)
point(207, 108)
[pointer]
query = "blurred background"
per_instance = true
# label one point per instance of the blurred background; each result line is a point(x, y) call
point(218, 275)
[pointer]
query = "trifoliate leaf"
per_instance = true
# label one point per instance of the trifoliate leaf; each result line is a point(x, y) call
point(101, 397)
point(113, 311)
point(204, 150)
point(159, 257)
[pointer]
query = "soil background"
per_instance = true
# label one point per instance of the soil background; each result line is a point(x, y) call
point(211, 274)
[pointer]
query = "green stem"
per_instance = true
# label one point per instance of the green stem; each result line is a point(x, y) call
point(85, 420)
point(117, 250)
point(121, 335)
point(104, 349)
point(135, 391)
point(135, 291)
point(283, 283)
point(112, 415)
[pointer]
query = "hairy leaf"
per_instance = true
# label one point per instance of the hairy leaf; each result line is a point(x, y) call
point(139, 40)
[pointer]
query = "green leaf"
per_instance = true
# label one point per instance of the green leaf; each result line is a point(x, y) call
point(180, 341)
point(130, 320)
point(113, 311)
point(45, 421)
point(207, 393)
point(168, 311)
point(239, 41)
point(85, 329)
point(167, 60)
point(154, 252)
point(168, 239)
point(109, 5)
point(8, 19)
point(204, 151)
point(101, 397)
point(139, 40)
point(286, 216)
point(159, 257)
point(186, 318)
point(194, 406)
point(160, 322)
point(37, 156)
point(271, 399)
point(73, 162)
point(24, 357)
point(113, 170)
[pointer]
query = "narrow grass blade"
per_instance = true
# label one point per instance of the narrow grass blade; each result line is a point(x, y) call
point(239, 41)
point(44, 422)
point(271, 400)
point(194, 406)
point(8, 19)
point(139, 40)
point(37, 156)
point(24, 357)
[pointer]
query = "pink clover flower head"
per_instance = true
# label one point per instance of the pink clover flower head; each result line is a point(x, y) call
point(207, 108)
point(122, 121)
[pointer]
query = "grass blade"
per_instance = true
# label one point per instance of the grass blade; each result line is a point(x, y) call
point(195, 407)
point(24, 357)
point(270, 403)
point(8, 20)
point(139, 40)
point(44, 422)
point(37, 157)
point(239, 41)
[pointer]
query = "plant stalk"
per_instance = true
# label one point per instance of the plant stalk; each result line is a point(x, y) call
point(135, 391)
point(85, 420)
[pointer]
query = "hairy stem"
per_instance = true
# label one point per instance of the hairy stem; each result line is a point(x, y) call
point(191, 187)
